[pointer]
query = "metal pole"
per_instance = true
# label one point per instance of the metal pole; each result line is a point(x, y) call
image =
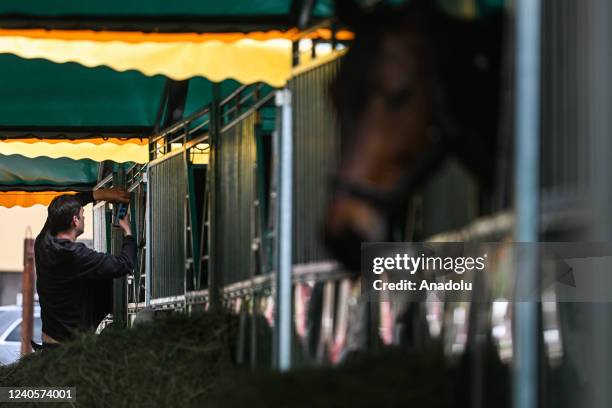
point(599, 85)
point(527, 160)
point(148, 245)
point(119, 284)
point(284, 239)
point(27, 317)
point(215, 275)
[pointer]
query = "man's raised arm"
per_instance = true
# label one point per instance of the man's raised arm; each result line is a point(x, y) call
point(113, 195)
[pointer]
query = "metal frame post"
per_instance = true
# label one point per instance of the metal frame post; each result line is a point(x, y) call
point(214, 274)
point(147, 239)
point(120, 290)
point(27, 298)
point(527, 161)
point(284, 238)
point(599, 15)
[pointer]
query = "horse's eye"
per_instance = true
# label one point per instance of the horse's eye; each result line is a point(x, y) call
point(399, 98)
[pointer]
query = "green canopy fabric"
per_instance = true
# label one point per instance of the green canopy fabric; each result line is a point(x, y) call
point(156, 15)
point(43, 93)
point(40, 93)
point(43, 173)
point(322, 8)
point(151, 7)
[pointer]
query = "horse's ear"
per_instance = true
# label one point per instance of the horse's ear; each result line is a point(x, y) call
point(348, 12)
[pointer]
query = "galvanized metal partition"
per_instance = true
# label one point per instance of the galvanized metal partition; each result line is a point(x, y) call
point(237, 201)
point(136, 184)
point(167, 181)
point(101, 221)
point(316, 140)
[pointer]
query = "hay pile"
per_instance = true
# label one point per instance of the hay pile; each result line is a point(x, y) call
point(175, 361)
point(181, 361)
point(393, 378)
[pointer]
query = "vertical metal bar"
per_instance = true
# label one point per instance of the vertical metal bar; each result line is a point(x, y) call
point(119, 284)
point(295, 53)
point(213, 260)
point(187, 223)
point(285, 235)
point(27, 298)
point(147, 238)
point(527, 159)
point(600, 123)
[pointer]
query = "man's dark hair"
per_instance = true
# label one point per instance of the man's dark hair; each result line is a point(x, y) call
point(60, 212)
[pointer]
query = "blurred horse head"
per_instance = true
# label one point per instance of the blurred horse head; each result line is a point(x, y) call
point(415, 85)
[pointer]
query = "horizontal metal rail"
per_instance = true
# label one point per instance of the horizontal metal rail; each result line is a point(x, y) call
point(168, 302)
point(134, 307)
point(105, 182)
point(266, 99)
point(503, 223)
point(185, 130)
point(197, 297)
point(135, 175)
point(234, 108)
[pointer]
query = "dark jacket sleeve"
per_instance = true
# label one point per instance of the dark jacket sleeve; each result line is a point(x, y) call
point(98, 265)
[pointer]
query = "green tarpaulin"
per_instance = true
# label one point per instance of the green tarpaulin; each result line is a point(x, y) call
point(43, 93)
point(43, 172)
point(152, 7)
point(157, 15)
point(40, 93)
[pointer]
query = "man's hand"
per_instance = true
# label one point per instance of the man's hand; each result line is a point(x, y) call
point(113, 195)
point(125, 224)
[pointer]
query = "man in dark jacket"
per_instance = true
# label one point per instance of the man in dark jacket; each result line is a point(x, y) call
point(70, 276)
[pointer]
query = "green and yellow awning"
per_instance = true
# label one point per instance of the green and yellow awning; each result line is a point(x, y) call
point(96, 149)
point(99, 70)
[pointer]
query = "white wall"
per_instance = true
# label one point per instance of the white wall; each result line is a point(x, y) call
point(13, 224)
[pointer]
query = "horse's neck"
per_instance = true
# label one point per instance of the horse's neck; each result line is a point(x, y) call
point(468, 65)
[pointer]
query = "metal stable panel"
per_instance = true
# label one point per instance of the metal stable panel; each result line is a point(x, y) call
point(100, 223)
point(316, 139)
point(167, 183)
point(137, 188)
point(236, 201)
point(566, 101)
point(575, 168)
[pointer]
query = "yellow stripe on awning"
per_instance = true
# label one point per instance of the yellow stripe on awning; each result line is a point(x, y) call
point(10, 199)
point(246, 60)
point(96, 140)
point(140, 37)
point(127, 152)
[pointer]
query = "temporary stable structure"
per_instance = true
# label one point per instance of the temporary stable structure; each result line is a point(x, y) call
point(83, 84)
